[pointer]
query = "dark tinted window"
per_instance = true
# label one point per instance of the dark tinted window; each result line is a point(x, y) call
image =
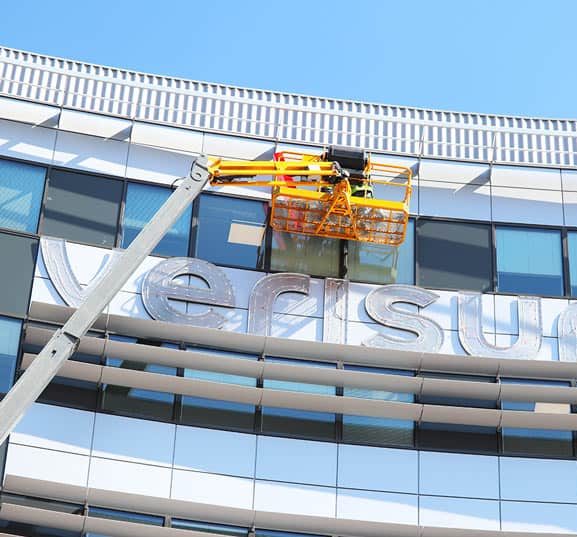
point(17, 269)
point(544, 442)
point(21, 190)
point(70, 392)
point(230, 231)
point(457, 437)
point(137, 401)
point(82, 208)
point(142, 203)
point(32, 530)
point(454, 255)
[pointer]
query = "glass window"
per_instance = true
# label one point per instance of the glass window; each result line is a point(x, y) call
point(142, 203)
point(136, 401)
point(529, 261)
point(377, 263)
point(274, 533)
point(17, 269)
point(301, 423)
point(213, 412)
point(206, 527)
point(544, 442)
point(378, 431)
point(305, 254)
point(42, 503)
point(71, 392)
point(33, 530)
point(21, 190)
point(82, 208)
point(454, 255)
point(457, 437)
point(66, 391)
point(9, 343)
point(230, 231)
point(114, 514)
point(572, 252)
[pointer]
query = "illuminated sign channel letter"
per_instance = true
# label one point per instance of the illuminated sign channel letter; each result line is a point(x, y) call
point(60, 272)
point(159, 287)
point(567, 332)
point(471, 328)
point(380, 305)
point(335, 311)
point(265, 292)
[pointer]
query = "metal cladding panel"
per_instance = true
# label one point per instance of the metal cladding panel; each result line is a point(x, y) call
point(287, 117)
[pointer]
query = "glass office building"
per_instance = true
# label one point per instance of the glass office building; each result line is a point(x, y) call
point(284, 385)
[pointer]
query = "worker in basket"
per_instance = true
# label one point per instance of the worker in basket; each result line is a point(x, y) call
point(353, 163)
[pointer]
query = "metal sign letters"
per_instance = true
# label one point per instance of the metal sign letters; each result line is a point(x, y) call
point(163, 288)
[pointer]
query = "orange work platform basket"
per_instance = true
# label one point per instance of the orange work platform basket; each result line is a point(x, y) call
point(313, 197)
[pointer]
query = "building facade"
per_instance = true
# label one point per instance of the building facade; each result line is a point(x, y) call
point(252, 382)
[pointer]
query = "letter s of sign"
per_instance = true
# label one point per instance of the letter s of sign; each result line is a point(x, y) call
point(380, 305)
point(159, 286)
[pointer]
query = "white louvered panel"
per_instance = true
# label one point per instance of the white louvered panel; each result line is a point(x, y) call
point(209, 117)
point(308, 119)
point(166, 101)
point(565, 151)
point(247, 121)
point(179, 110)
point(126, 95)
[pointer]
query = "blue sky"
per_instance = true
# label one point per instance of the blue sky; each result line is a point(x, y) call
point(506, 57)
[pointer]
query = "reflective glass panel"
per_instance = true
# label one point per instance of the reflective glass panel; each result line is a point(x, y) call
point(33, 530)
point(377, 263)
point(458, 437)
point(82, 208)
point(142, 203)
point(544, 442)
point(205, 527)
point(454, 255)
point(214, 412)
point(230, 231)
point(21, 190)
point(137, 401)
point(529, 261)
point(572, 252)
point(114, 514)
point(378, 431)
point(17, 262)
point(300, 423)
point(9, 342)
point(305, 254)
